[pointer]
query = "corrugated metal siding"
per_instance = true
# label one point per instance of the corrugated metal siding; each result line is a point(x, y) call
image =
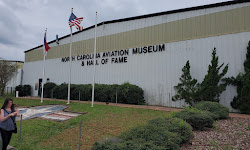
point(187, 36)
point(220, 23)
point(156, 73)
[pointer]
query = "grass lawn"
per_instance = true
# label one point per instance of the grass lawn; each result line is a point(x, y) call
point(101, 121)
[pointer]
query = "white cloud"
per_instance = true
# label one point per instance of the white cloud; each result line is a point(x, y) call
point(9, 52)
point(23, 22)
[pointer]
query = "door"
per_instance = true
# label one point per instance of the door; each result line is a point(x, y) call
point(40, 87)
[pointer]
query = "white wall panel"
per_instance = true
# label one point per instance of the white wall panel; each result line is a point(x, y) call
point(156, 73)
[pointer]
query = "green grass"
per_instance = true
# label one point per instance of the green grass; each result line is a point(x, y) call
point(100, 121)
point(228, 147)
point(240, 133)
point(248, 128)
point(214, 144)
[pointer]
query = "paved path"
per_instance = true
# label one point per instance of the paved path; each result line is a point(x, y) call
point(150, 107)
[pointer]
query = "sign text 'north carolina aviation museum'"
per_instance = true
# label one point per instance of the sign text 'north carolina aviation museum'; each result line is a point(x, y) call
point(118, 56)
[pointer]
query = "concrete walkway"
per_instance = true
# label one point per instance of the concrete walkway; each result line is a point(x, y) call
point(150, 107)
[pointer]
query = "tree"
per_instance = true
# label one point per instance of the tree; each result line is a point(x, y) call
point(208, 90)
point(213, 84)
point(7, 71)
point(187, 88)
point(242, 81)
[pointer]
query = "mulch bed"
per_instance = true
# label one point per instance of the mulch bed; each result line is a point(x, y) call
point(229, 134)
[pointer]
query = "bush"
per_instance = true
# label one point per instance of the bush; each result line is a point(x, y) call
point(126, 145)
point(242, 82)
point(19, 88)
point(130, 94)
point(48, 89)
point(157, 135)
point(107, 144)
point(219, 111)
point(85, 92)
point(114, 90)
point(198, 119)
point(177, 125)
point(61, 91)
point(102, 92)
point(24, 90)
point(126, 93)
point(27, 90)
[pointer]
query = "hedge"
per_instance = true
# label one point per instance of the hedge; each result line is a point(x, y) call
point(126, 93)
point(24, 90)
point(85, 92)
point(48, 89)
point(198, 119)
point(157, 134)
point(177, 125)
point(126, 145)
point(219, 111)
point(61, 91)
point(130, 94)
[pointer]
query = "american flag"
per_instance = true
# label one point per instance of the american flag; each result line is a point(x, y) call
point(74, 21)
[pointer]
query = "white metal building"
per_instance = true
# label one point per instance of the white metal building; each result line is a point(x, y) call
point(150, 50)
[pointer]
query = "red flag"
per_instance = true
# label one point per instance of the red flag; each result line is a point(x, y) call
point(46, 46)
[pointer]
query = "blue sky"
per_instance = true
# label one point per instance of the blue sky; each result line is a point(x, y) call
point(23, 22)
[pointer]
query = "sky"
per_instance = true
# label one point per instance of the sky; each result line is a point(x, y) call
point(23, 22)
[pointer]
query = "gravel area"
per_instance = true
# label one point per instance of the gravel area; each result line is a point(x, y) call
point(228, 134)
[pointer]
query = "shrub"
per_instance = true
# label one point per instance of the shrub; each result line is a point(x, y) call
point(102, 92)
point(85, 92)
point(125, 145)
point(219, 111)
point(73, 96)
point(107, 144)
point(242, 82)
point(177, 125)
point(19, 88)
point(61, 91)
point(198, 119)
point(114, 91)
point(27, 90)
point(213, 83)
point(48, 89)
point(126, 93)
point(24, 90)
point(209, 89)
point(130, 94)
point(187, 87)
point(157, 135)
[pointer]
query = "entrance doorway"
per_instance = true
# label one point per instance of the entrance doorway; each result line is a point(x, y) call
point(40, 87)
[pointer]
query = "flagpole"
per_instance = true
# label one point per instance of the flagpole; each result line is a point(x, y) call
point(43, 76)
point(93, 84)
point(44, 55)
point(70, 62)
